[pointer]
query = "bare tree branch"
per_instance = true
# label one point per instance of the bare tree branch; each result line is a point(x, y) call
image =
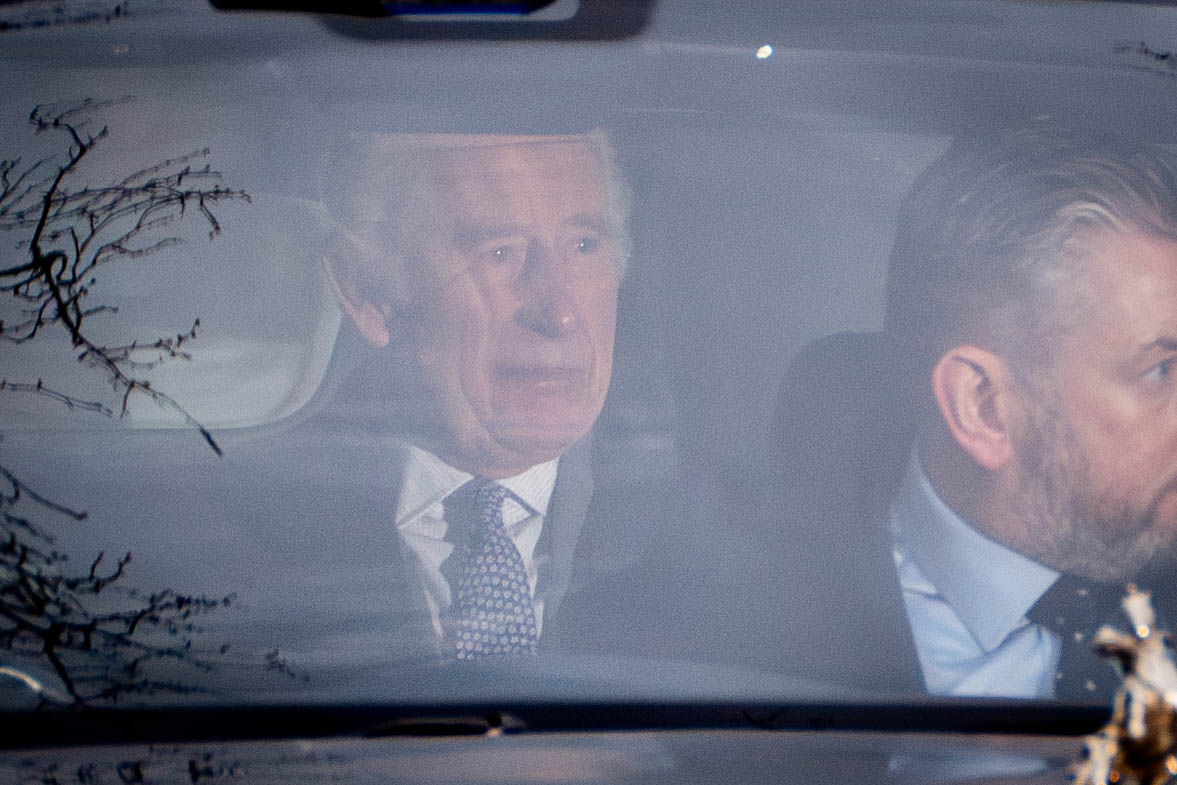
point(96, 654)
point(96, 634)
point(74, 232)
point(70, 402)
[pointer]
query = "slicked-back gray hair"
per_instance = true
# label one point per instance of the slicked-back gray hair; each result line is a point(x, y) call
point(988, 238)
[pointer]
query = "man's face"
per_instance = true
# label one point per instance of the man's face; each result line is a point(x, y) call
point(1100, 461)
point(515, 336)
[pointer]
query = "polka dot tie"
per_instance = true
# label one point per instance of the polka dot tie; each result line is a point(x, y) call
point(491, 613)
point(1074, 609)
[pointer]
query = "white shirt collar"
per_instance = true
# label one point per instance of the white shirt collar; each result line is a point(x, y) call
point(989, 586)
point(428, 480)
point(534, 487)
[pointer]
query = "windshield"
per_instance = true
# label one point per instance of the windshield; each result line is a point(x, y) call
point(815, 351)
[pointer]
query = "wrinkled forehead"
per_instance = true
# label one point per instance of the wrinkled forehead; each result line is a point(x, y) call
point(542, 179)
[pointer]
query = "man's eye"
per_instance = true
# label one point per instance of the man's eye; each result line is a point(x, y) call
point(587, 245)
point(1162, 371)
point(502, 254)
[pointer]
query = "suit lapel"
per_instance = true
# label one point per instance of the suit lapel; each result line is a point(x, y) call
point(892, 641)
point(563, 525)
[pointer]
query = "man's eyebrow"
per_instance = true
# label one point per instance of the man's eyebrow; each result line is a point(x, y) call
point(590, 221)
point(1164, 343)
point(467, 236)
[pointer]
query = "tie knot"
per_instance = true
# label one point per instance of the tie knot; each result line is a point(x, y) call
point(488, 504)
point(1074, 609)
point(1077, 605)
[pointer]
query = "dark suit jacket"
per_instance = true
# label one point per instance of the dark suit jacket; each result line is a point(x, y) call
point(789, 571)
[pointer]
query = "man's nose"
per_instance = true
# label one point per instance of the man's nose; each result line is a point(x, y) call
point(547, 293)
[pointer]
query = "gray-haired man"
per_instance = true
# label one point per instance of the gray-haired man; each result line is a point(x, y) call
point(481, 272)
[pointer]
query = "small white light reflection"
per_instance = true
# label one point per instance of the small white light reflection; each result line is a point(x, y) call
point(764, 52)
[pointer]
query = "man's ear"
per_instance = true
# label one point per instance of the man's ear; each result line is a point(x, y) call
point(972, 387)
point(370, 318)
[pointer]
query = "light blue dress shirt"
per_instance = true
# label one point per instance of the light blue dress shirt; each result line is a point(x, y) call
point(967, 598)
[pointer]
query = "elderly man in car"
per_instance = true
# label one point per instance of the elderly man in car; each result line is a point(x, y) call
point(480, 273)
point(1032, 325)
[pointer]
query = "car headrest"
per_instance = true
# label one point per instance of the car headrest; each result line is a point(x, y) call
point(840, 417)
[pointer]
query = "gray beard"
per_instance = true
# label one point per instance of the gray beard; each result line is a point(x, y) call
point(1077, 532)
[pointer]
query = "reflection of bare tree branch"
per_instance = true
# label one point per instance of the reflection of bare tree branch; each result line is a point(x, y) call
point(39, 388)
point(19, 488)
point(71, 233)
point(277, 662)
point(51, 614)
point(97, 636)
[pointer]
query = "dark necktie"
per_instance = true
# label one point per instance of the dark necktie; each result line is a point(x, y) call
point(1074, 609)
point(491, 612)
